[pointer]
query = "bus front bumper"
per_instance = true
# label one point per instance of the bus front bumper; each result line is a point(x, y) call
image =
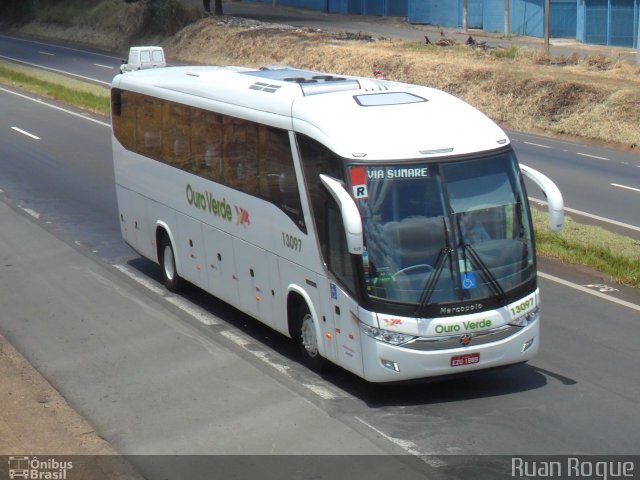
point(389, 363)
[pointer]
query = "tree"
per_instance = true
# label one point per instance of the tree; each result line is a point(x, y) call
point(217, 9)
point(16, 11)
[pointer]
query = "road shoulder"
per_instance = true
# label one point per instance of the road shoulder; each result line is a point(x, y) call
point(36, 420)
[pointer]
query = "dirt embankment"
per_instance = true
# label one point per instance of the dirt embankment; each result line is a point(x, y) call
point(37, 422)
point(596, 98)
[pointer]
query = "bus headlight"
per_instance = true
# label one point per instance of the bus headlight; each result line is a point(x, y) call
point(526, 319)
point(394, 338)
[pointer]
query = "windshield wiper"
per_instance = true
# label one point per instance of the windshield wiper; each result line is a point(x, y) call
point(430, 285)
point(489, 277)
point(429, 288)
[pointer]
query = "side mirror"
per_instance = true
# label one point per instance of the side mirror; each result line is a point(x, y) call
point(551, 191)
point(350, 214)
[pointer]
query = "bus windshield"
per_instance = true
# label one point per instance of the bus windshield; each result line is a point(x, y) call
point(448, 232)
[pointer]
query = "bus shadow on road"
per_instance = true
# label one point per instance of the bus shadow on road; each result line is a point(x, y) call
point(466, 386)
point(483, 384)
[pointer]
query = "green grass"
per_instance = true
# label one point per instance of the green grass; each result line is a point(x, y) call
point(615, 255)
point(57, 87)
point(510, 53)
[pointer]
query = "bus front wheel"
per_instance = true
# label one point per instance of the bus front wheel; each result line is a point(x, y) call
point(308, 341)
point(172, 280)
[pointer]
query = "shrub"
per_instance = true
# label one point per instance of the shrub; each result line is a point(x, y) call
point(17, 11)
point(166, 17)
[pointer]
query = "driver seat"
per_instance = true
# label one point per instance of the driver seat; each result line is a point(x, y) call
point(416, 240)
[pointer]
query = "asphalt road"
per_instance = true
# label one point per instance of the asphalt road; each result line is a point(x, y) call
point(160, 374)
point(83, 63)
point(598, 181)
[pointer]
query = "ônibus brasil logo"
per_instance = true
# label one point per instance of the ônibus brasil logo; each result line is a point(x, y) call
point(35, 468)
point(206, 202)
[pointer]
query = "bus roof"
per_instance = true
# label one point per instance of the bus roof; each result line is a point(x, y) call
point(356, 117)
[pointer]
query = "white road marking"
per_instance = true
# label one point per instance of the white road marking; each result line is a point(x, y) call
point(537, 145)
point(141, 280)
point(580, 288)
point(262, 355)
point(55, 70)
point(208, 319)
point(103, 66)
point(321, 391)
point(198, 313)
point(601, 287)
point(590, 215)
point(624, 186)
point(244, 343)
point(593, 156)
point(31, 212)
point(55, 107)
point(46, 53)
point(406, 445)
point(23, 132)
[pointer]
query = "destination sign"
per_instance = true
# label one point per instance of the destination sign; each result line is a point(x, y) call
point(389, 173)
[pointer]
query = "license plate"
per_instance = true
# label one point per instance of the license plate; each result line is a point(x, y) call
point(468, 359)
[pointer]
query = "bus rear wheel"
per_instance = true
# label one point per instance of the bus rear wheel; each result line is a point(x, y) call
point(170, 276)
point(308, 341)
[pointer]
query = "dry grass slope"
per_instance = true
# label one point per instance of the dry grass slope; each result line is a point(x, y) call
point(595, 99)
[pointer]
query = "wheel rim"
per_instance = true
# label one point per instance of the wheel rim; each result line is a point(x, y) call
point(308, 336)
point(168, 263)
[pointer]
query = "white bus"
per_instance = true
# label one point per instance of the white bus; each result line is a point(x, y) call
point(382, 225)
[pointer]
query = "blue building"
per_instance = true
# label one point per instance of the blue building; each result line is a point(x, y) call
point(386, 8)
point(608, 22)
point(526, 16)
point(604, 22)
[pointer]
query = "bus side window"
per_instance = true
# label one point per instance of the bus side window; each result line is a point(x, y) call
point(149, 127)
point(277, 177)
point(176, 145)
point(124, 118)
point(317, 159)
point(206, 141)
point(240, 152)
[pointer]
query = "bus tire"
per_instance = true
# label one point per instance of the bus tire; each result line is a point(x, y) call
point(307, 339)
point(170, 276)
